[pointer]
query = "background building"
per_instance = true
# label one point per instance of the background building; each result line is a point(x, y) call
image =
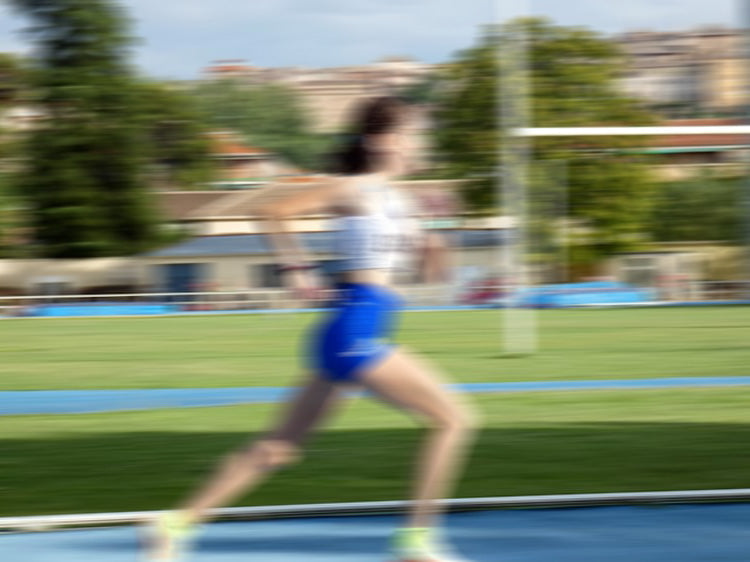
point(329, 94)
point(239, 166)
point(690, 73)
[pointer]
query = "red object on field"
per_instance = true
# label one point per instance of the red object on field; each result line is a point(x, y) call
point(482, 291)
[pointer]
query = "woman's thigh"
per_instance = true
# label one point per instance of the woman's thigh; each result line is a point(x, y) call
point(407, 381)
point(313, 400)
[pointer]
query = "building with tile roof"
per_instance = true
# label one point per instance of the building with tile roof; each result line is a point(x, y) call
point(240, 166)
point(684, 156)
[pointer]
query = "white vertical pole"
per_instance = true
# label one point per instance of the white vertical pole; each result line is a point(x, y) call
point(519, 323)
point(745, 17)
point(562, 174)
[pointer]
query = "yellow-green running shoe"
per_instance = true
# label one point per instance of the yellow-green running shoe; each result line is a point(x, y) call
point(167, 537)
point(413, 544)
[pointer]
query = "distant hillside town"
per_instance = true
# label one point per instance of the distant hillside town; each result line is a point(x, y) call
point(682, 74)
point(697, 73)
point(329, 93)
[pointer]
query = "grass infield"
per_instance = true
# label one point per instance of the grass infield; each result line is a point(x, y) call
point(540, 443)
point(263, 350)
point(536, 443)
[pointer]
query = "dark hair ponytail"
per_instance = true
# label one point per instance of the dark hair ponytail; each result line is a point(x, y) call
point(375, 116)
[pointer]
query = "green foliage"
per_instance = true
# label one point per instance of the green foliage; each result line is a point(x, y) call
point(425, 91)
point(11, 83)
point(14, 79)
point(269, 116)
point(701, 209)
point(572, 78)
point(175, 144)
point(84, 181)
point(466, 136)
point(10, 217)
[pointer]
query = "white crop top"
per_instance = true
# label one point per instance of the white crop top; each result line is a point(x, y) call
point(383, 237)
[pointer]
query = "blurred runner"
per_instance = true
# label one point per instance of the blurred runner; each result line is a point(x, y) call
point(377, 233)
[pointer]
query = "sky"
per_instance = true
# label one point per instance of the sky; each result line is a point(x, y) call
point(177, 38)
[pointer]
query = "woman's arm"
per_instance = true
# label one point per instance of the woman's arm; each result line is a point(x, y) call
point(286, 198)
point(432, 253)
point(275, 206)
point(278, 203)
point(434, 258)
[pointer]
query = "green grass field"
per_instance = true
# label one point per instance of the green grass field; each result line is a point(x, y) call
point(262, 350)
point(532, 443)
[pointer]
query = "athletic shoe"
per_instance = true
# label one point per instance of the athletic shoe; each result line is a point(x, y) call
point(168, 537)
point(421, 545)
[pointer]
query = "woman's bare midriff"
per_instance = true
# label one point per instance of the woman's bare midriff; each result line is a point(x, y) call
point(368, 277)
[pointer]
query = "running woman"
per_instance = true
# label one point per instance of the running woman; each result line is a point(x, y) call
point(376, 235)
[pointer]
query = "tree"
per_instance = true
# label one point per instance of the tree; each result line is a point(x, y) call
point(84, 181)
point(270, 116)
point(466, 135)
point(573, 74)
point(705, 208)
point(425, 91)
point(176, 145)
point(15, 79)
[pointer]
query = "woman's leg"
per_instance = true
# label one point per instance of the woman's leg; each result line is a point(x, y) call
point(244, 468)
point(404, 380)
point(249, 465)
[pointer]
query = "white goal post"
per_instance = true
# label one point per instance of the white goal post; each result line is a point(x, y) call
point(518, 321)
point(632, 131)
point(514, 122)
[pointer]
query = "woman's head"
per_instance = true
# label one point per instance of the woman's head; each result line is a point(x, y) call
point(380, 115)
point(374, 141)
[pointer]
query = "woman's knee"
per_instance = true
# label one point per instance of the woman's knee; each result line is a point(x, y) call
point(459, 418)
point(269, 454)
point(471, 419)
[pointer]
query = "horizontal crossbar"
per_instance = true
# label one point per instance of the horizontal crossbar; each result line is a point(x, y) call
point(632, 131)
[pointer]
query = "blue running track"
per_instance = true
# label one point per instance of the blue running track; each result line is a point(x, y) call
point(684, 533)
point(90, 401)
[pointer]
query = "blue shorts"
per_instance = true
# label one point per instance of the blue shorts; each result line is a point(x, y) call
point(356, 333)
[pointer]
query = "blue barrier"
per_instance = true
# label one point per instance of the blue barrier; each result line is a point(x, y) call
point(583, 294)
point(101, 309)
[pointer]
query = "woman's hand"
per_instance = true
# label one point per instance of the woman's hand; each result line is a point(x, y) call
point(304, 284)
point(434, 259)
